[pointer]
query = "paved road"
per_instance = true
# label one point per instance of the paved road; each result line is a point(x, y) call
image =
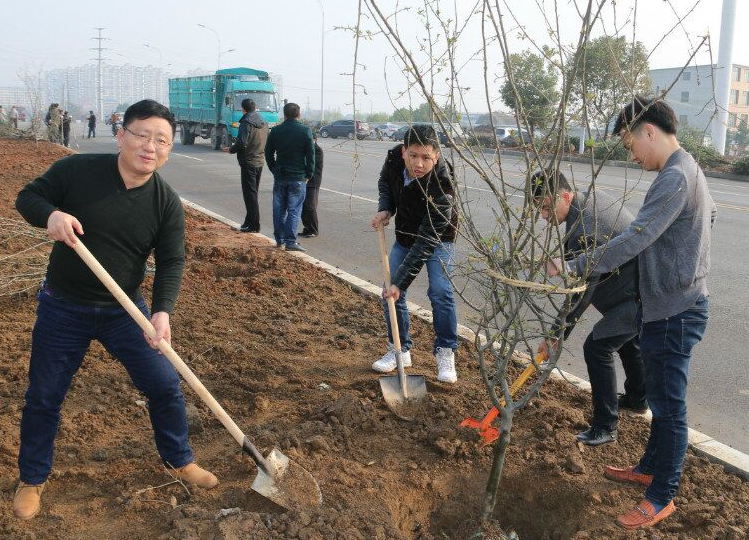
point(719, 389)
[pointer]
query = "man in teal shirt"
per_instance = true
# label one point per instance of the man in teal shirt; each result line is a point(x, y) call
point(290, 153)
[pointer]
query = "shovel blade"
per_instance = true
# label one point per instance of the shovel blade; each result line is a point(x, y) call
point(291, 486)
point(406, 407)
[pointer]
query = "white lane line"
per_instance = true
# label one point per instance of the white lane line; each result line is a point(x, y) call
point(188, 157)
point(348, 195)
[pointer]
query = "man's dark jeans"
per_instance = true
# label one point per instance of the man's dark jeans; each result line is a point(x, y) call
point(599, 357)
point(288, 198)
point(61, 336)
point(667, 350)
point(250, 185)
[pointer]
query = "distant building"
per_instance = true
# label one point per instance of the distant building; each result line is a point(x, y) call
point(20, 96)
point(120, 84)
point(692, 95)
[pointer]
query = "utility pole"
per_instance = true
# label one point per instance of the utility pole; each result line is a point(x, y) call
point(723, 74)
point(99, 104)
point(322, 62)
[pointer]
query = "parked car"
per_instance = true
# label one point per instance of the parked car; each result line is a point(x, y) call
point(345, 128)
point(386, 130)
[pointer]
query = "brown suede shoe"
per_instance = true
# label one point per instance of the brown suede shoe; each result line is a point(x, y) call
point(628, 475)
point(643, 515)
point(28, 500)
point(193, 474)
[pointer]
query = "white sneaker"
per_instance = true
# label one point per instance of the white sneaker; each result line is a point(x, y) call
point(446, 365)
point(388, 362)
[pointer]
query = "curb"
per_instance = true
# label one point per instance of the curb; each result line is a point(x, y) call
point(733, 461)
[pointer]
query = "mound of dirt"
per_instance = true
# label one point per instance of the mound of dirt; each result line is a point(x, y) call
point(286, 349)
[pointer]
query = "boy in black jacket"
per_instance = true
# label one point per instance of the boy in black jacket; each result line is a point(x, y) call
point(416, 187)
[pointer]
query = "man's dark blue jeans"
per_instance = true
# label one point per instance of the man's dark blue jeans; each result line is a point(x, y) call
point(667, 350)
point(61, 336)
point(599, 357)
point(288, 198)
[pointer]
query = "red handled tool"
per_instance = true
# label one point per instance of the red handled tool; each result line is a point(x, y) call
point(488, 433)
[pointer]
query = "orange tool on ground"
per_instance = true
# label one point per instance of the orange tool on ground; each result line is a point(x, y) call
point(488, 433)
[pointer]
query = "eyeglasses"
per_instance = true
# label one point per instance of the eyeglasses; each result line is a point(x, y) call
point(159, 142)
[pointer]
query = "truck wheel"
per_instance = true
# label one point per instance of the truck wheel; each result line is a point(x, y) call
point(186, 137)
point(350, 136)
point(217, 138)
point(324, 134)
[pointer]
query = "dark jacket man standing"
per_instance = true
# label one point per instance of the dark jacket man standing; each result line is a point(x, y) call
point(671, 239)
point(91, 125)
point(416, 187)
point(250, 150)
point(290, 154)
point(309, 209)
point(591, 220)
point(127, 211)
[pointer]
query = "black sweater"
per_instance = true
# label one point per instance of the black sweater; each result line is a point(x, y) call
point(121, 226)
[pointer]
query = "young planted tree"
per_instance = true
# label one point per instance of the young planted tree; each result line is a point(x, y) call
point(511, 302)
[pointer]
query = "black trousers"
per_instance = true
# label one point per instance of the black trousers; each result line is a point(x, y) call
point(91, 131)
point(250, 186)
point(599, 357)
point(309, 210)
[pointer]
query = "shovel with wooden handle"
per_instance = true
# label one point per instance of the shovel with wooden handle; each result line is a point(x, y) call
point(404, 394)
point(279, 479)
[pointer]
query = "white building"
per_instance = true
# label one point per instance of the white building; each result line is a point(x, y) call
point(691, 96)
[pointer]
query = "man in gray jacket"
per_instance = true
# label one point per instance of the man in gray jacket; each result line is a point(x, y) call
point(250, 150)
point(591, 220)
point(671, 237)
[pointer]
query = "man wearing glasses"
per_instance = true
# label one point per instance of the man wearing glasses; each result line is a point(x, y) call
point(124, 210)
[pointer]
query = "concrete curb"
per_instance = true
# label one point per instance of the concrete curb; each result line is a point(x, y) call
point(732, 460)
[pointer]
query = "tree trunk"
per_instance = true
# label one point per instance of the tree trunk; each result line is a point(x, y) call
point(500, 450)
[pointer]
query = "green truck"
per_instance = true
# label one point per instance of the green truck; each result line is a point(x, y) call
point(210, 106)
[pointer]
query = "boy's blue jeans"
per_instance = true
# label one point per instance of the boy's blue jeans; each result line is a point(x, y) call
point(440, 292)
point(61, 336)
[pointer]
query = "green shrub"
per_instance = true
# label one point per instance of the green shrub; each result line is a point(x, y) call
point(602, 148)
point(741, 165)
point(708, 158)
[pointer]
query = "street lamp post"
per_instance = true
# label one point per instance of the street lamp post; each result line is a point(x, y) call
point(218, 37)
point(160, 85)
point(322, 62)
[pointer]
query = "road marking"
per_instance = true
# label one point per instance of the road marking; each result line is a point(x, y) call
point(348, 195)
point(188, 157)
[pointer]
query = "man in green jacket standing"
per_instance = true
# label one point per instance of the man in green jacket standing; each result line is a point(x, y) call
point(290, 154)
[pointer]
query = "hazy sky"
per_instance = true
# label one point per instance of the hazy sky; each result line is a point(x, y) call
point(283, 36)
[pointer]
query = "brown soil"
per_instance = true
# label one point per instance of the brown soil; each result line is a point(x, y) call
point(263, 331)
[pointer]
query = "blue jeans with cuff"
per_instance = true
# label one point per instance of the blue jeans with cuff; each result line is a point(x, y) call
point(288, 198)
point(60, 339)
point(440, 292)
point(666, 347)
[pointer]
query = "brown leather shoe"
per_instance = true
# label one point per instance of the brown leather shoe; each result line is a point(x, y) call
point(28, 500)
point(627, 474)
point(644, 515)
point(197, 476)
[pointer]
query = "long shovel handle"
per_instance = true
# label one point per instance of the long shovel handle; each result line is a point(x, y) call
point(172, 356)
point(392, 312)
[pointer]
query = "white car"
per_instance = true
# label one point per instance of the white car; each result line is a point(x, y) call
point(387, 130)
